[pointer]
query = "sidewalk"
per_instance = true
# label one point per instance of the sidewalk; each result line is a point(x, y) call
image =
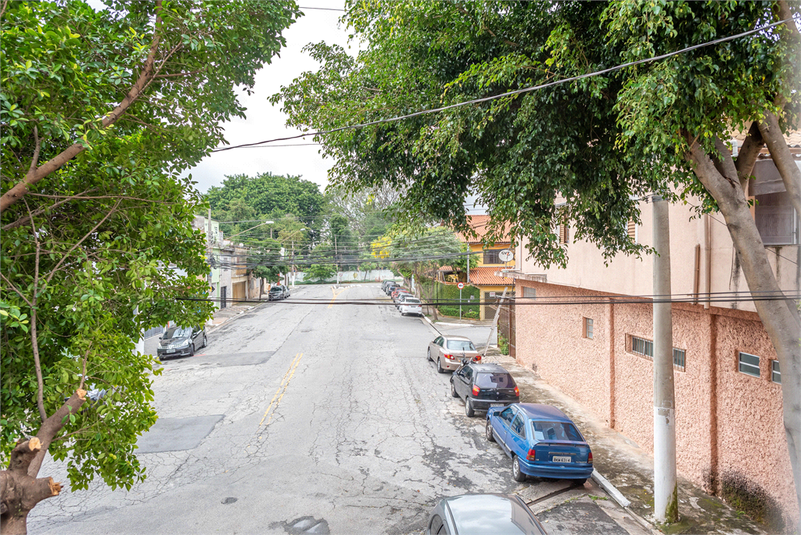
point(221, 315)
point(629, 468)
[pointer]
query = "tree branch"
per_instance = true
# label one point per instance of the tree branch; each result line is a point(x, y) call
point(21, 221)
point(34, 334)
point(747, 156)
point(33, 176)
point(16, 290)
point(52, 426)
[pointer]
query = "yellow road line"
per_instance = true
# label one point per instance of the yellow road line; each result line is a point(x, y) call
point(281, 388)
point(336, 294)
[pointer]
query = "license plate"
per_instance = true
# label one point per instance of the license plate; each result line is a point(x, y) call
point(560, 459)
point(497, 404)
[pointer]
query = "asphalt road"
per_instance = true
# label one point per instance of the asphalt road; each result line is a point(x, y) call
point(305, 418)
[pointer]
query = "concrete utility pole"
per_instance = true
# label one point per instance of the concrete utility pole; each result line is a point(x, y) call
point(495, 321)
point(208, 247)
point(666, 502)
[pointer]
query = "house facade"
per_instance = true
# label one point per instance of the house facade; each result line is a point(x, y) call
point(488, 275)
point(594, 344)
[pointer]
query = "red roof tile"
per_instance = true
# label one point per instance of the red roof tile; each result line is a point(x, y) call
point(485, 276)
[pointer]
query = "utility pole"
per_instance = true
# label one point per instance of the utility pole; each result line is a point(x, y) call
point(336, 257)
point(208, 247)
point(495, 321)
point(666, 502)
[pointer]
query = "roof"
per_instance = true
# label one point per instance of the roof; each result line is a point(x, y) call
point(544, 412)
point(480, 223)
point(488, 368)
point(491, 514)
point(792, 137)
point(485, 276)
point(446, 268)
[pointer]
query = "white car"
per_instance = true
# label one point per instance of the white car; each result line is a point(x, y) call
point(411, 305)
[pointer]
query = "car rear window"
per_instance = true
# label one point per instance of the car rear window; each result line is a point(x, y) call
point(412, 301)
point(461, 345)
point(495, 380)
point(556, 431)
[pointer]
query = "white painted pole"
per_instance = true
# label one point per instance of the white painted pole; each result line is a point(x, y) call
point(665, 490)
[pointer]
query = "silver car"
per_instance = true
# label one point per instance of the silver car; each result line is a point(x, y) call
point(483, 514)
point(448, 351)
point(411, 305)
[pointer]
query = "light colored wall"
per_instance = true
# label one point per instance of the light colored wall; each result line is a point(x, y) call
point(631, 276)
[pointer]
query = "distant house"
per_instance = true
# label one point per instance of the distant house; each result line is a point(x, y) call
point(484, 276)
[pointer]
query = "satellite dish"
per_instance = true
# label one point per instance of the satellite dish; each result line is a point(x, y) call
point(505, 255)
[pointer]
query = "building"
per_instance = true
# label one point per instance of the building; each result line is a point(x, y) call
point(729, 426)
point(487, 276)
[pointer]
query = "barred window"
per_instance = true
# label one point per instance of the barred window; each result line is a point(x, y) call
point(775, 372)
point(679, 355)
point(642, 347)
point(491, 256)
point(748, 364)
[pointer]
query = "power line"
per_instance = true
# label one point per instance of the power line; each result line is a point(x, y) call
point(514, 92)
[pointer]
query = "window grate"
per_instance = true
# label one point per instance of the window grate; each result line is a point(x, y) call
point(748, 364)
point(775, 372)
point(679, 355)
point(642, 347)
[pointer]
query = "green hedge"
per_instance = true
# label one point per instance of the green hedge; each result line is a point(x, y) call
point(449, 292)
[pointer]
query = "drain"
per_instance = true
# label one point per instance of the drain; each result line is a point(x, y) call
point(229, 499)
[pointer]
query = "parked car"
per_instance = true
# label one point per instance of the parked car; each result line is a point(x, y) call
point(278, 291)
point(411, 305)
point(390, 287)
point(181, 341)
point(483, 514)
point(386, 284)
point(401, 297)
point(483, 386)
point(396, 290)
point(448, 352)
point(541, 440)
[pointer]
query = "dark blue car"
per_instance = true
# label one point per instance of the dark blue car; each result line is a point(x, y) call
point(541, 441)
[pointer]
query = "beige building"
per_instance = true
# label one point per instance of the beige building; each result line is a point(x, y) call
point(727, 380)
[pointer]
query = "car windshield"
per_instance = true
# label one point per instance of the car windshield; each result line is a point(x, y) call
point(556, 431)
point(461, 345)
point(275, 289)
point(495, 380)
point(177, 332)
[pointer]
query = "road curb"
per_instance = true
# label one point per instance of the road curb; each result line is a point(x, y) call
point(610, 489)
point(244, 313)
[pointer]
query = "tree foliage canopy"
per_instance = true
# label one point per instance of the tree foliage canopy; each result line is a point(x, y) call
point(97, 243)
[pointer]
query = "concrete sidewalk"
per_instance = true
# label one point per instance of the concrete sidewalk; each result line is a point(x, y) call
point(629, 468)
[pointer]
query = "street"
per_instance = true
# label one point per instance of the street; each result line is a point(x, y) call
point(301, 418)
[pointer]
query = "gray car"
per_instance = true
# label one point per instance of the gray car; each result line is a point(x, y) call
point(483, 514)
point(448, 351)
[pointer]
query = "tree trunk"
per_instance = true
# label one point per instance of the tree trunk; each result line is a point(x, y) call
point(777, 145)
point(20, 490)
point(780, 317)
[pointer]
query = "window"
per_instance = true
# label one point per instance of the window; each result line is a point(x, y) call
point(631, 229)
point(642, 347)
point(775, 373)
point(645, 348)
point(506, 414)
point(556, 431)
point(679, 355)
point(491, 256)
point(517, 426)
point(564, 233)
point(588, 328)
point(529, 292)
point(749, 364)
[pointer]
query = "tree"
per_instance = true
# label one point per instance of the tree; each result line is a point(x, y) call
point(266, 197)
point(90, 235)
point(600, 143)
point(321, 272)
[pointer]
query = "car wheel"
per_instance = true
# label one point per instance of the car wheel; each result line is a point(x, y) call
point(580, 482)
point(428, 354)
point(453, 390)
point(191, 349)
point(440, 369)
point(468, 408)
point(517, 473)
point(490, 436)
point(205, 340)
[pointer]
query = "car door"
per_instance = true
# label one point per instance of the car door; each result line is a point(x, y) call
point(503, 423)
point(516, 438)
point(465, 381)
point(433, 347)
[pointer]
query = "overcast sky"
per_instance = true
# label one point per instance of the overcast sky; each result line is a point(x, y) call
point(265, 121)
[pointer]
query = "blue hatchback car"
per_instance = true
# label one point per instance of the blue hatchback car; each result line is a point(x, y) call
point(541, 441)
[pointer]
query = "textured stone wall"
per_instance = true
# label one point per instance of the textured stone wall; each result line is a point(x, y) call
point(720, 413)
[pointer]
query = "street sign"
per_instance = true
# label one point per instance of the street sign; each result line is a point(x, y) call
point(506, 255)
point(460, 285)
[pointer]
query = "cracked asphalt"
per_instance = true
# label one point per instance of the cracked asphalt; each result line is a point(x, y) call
point(303, 419)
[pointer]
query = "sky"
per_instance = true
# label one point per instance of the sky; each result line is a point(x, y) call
point(265, 121)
